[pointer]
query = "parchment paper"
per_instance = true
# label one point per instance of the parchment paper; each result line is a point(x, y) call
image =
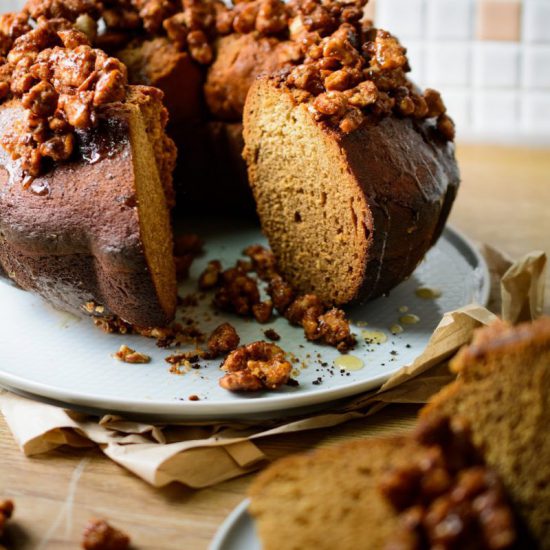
point(203, 455)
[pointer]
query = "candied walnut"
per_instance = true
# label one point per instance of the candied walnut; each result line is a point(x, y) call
point(446, 127)
point(199, 48)
point(435, 104)
point(223, 339)
point(6, 511)
point(238, 293)
point(307, 304)
point(264, 262)
point(386, 52)
point(99, 535)
point(334, 330)
point(272, 17)
point(306, 77)
point(341, 80)
point(128, 355)
point(244, 20)
point(58, 147)
point(331, 104)
point(262, 312)
point(281, 294)
point(176, 29)
point(211, 276)
point(259, 365)
point(364, 94)
point(41, 99)
point(351, 120)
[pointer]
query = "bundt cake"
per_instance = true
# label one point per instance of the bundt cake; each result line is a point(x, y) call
point(473, 474)
point(351, 166)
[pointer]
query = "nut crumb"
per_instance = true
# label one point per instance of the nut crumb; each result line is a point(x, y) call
point(194, 398)
point(129, 355)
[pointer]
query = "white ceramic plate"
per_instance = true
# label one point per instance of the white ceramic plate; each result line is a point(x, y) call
point(237, 532)
point(55, 356)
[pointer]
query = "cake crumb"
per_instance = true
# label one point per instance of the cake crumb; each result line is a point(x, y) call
point(129, 355)
point(194, 398)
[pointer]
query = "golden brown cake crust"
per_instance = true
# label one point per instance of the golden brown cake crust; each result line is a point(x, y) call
point(79, 242)
point(240, 59)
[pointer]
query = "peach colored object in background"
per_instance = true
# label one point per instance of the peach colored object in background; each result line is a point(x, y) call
point(498, 20)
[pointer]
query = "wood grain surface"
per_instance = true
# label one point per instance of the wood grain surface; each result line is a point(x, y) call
point(504, 201)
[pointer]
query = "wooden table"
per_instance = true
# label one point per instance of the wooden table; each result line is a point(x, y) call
point(504, 200)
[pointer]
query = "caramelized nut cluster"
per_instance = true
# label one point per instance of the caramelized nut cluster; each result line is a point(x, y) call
point(254, 367)
point(355, 75)
point(448, 499)
point(238, 292)
point(62, 83)
point(99, 535)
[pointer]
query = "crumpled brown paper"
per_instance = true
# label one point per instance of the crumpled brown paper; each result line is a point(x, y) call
point(203, 455)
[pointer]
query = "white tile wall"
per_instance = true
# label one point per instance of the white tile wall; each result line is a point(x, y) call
point(449, 19)
point(536, 67)
point(404, 17)
point(447, 64)
point(496, 65)
point(535, 114)
point(493, 90)
point(536, 21)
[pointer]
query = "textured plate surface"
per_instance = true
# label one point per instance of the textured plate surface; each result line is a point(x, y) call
point(237, 532)
point(56, 356)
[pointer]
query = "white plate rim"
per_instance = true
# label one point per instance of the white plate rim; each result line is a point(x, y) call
point(233, 409)
point(229, 523)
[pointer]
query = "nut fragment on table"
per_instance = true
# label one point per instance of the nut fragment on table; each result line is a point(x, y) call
point(99, 535)
point(129, 355)
point(6, 511)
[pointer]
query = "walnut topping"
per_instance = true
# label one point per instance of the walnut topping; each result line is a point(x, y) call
point(354, 74)
point(448, 498)
point(99, 535)
point(6, 511)
point(62, 82)
point(128, 355)
point(254, 367)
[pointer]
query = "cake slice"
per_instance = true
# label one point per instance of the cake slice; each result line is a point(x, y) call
point(503, 391)
point(92, 235)
point(352, 174)
point(473, 474)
